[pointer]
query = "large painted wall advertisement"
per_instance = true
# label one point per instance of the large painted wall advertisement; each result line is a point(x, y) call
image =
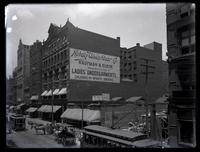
point(90, 66)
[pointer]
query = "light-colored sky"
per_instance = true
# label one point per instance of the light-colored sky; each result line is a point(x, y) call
point(133, 23)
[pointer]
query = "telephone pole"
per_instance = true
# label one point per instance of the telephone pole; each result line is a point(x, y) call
point(147, 71)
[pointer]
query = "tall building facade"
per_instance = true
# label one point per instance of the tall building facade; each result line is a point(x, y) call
point(133, 64)
point(56, 62)
point(182, 87)
point(23, 73)
point(10, 92)
point(35, 72)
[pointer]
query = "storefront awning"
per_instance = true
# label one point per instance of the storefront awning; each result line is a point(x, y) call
point(44, 93)
point(11, 107)
point(20, 105)
point(56, 91)
point(31, 109)
point(41, 108)
point(19, 99)
point(48, 108)
point(135, 100)
point(117, 98)
point(162, 99)
point(76, 114)
point(145, 143)
point(49, 93)
point(34, 97)
point(63, 91)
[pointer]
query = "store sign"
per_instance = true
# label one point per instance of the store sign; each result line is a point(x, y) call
point(97, 98)
point(103, 97)
point(90, 66)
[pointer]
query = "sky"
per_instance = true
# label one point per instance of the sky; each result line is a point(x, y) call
point(133, 23)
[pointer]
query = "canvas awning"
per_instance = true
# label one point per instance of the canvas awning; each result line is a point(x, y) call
point(63, 91)
point(135, 100)
point(34, 97)
point(11, 107)
point(55, 92)
point(20, 105)
point(117, 98)
point(145, 143)
point(162, 99)
point(41, 108)
point(76, 114)
point(49, 93)
point(31, 109)
point(19, 99)
point(44, 93)
point(48, 108)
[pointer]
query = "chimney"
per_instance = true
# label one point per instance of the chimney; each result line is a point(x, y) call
point(118, 38)
point(137, 44)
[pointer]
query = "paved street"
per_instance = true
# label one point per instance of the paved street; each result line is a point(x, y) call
point(29, 139)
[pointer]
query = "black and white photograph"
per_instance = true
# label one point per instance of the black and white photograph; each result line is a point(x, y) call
point(100, 75)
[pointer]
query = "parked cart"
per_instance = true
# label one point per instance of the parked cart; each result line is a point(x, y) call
point(18, 122)
point(65, 137)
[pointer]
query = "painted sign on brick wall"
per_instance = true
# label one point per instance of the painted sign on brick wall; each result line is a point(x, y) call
point(90, 66)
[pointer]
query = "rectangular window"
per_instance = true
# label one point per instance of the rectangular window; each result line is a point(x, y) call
point(135, 77)
point(185, 50)
point(185, 42)
point(193, 39)
point(192, 48)
point(185, 34)
point(186, 131)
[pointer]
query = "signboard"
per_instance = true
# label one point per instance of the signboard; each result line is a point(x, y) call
point(103, 97)
point(97, 98)
point(90, 66)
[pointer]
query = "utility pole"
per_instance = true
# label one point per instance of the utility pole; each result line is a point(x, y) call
point(82, 115)
point(52, 116)
point(146, 73)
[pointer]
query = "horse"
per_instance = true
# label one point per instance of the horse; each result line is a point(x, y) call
point(40, 127)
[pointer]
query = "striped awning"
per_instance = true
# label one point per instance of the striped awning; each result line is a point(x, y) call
point(48, 108)
point(34, 97)
point(63, 91)
point(49, 93)
point(162, 99)
point(19, 99)
point(76, 114)
point(117, 98)
point(44, 93)
point(20, 105)
point(55, 92)
point(135, 100)
point(31, 109)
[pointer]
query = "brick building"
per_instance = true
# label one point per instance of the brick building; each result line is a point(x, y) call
point(23, 73)
point(132, 66)
point(35, 72)
point(56, 67)
point(182, 87)
point(10, 91)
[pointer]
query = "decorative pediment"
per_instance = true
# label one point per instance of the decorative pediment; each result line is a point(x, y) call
point(53, 29)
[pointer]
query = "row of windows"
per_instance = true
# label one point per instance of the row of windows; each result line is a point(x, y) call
point(57, 42)
point(129, 76)
point(186, 10)
point(55, 58)
point(128, 55)
point(54, 46)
